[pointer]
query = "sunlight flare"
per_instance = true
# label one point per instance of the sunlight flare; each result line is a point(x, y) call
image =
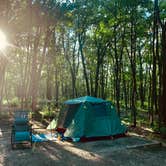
point(3, 41)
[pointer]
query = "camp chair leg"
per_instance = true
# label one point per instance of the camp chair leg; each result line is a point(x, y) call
point(31, 143)
point(12, 146)
point(12, 141)
point(31, 131)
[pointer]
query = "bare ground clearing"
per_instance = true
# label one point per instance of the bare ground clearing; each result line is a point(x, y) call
point(107, 152)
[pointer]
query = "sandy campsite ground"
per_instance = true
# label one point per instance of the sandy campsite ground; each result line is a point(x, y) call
point(106, 152)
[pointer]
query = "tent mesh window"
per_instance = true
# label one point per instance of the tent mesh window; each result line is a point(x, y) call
point(67, 114)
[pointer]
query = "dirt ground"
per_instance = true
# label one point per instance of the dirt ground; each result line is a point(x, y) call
point(116, 152)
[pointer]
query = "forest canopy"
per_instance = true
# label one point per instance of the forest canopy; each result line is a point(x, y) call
point(112, 49)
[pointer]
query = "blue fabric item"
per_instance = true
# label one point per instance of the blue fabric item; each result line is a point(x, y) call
point(22, 136)
point(38, 138)
point(43, 137)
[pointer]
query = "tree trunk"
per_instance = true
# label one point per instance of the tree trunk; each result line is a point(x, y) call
point(155, 53)
point(48, 83)
point(34, 74)
point(163, 94)
point(97, 71)
point(141, 89)
point(84, 67)
point(125, 90)
point(132, 58)
point(3, 62)
point(162, 68)
point(56, 87)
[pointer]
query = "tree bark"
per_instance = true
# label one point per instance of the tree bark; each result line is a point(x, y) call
point(34, 74)
point(3, 63)
point(84, 67)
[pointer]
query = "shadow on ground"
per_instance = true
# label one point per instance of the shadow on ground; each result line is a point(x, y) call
point(49, 153)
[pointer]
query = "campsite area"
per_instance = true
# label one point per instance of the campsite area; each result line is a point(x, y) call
point(116, 152)
point(83, 82)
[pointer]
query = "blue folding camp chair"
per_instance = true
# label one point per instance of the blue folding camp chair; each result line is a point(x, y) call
point(21, 129)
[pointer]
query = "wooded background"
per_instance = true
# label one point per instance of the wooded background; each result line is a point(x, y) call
point(113, 49)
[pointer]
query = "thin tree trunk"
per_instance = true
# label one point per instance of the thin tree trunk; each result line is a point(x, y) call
point(100, 55)
point(84, 68)
point(132, 58)
point(3, 63)
point(141, 89)
point(34, 74)
point(163, 95)
point(56, 87)
point(48, 83)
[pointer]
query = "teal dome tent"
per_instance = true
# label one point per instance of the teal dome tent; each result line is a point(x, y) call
point(88, 117)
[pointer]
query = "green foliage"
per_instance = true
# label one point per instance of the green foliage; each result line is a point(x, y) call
point(162, 5)
point(48, 111)
point(163, 131)
point(48, 37)
point(14, 102)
